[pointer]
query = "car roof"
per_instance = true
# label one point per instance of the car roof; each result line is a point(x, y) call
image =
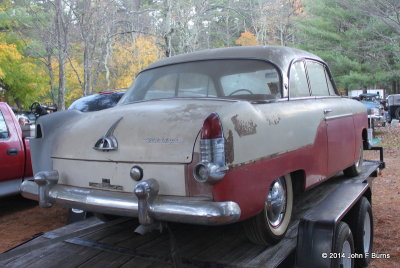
point(279, 55)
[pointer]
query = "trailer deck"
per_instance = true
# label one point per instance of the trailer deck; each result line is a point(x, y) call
point(92, 242)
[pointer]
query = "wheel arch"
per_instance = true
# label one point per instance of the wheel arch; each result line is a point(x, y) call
point(364, 136)
point(298, 178)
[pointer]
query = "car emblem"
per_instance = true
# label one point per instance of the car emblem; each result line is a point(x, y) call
point(108, 142)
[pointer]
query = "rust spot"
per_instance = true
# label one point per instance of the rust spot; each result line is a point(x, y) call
point(244, 128)
point(229, 152)
point(273, 119)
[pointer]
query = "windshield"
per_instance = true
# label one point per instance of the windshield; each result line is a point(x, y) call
point(239, 79)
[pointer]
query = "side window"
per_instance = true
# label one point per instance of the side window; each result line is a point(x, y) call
point(298, 86)
point(4, 134)
point(329, 82)
point(316, 74)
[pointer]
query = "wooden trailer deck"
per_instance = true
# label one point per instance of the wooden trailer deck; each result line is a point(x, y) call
point(92, 243)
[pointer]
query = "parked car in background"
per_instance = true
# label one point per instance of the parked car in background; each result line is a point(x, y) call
point(375, 108)
point(212, 137)
point(98, 101)
point(15, 159)
point(393, 104)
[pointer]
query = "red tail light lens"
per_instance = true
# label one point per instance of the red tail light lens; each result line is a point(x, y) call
point(212, 128)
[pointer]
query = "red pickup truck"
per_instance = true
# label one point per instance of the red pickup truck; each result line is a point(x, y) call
point(15, 158)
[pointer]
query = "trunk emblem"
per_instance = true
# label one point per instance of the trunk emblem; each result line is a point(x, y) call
point(108, 142)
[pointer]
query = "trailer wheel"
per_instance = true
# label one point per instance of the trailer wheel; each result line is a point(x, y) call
point(343, 247)
point(269, 226)
point(356, 168)
point(361, 222)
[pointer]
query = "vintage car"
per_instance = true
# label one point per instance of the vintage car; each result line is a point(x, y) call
point(374, 109)
point(212, 137)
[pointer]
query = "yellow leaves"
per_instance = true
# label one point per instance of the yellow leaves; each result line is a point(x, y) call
point(9, 52)
point(130, 58)
point(247, 39)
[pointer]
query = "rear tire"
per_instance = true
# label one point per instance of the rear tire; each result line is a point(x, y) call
point(271, 224)
point(361, 223)
point(356, 168)
point(343, 247)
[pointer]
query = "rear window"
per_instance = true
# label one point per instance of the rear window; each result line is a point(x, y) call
point(96, 102)
point(239, 79)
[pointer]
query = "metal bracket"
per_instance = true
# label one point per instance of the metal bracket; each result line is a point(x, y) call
point(146, 191)
point(45, 179)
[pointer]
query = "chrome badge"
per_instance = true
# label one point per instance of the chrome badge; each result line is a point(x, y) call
point(108, 142)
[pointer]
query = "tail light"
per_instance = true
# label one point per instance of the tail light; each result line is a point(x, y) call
point(212, 166)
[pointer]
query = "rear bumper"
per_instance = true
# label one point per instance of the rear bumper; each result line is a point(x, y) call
point(144, 202)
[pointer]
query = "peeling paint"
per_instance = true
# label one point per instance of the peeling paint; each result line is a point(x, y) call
point(229, 151)
point(273, 119)
point(244, 128)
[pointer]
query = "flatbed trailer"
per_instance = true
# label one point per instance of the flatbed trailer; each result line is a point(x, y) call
point(312, 237)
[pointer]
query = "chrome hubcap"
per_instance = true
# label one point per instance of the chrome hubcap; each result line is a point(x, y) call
point(276, 202)
point(367, 232)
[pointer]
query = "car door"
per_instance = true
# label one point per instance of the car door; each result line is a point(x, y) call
point(299, 92)
point(338, 117)
point(11, 150)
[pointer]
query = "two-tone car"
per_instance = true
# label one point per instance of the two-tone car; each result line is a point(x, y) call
point(212, 137)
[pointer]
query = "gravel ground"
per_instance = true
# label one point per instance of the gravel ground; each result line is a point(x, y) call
point(22, 219)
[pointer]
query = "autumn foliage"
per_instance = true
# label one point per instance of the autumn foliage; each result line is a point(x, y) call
point(247, 39)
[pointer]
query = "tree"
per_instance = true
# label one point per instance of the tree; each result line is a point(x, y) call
point(351, 42)
point(247, 39)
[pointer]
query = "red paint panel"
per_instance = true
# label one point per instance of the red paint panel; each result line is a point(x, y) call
point(341, 144)
point(248, 184)
point(11, 166)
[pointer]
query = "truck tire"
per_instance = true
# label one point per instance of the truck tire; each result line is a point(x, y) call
point(343, 247)
point(361, 223)
point(356, 168)
point(271, 224)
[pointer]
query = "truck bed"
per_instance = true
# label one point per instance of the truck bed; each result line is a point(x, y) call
point(92, 243)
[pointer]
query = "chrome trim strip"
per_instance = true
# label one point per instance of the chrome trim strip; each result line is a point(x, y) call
point(327, 118)
point(162, 208)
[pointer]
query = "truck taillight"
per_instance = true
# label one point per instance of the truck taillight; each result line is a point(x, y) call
point(212, 166)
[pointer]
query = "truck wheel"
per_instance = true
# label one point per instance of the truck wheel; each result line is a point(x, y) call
point(356, 168)
point(361, 222)
point(343, 247)
point(269, 226)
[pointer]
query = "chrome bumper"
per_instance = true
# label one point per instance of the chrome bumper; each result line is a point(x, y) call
point(144, 202)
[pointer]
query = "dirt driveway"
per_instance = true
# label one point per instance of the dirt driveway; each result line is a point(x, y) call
point(22, 219)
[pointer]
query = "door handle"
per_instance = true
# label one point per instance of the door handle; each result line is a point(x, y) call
point(327, 111)
point(12, 151)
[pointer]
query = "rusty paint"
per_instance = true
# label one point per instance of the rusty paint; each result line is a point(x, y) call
point(229, 152)
point(244, 128)
point(273, 120)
